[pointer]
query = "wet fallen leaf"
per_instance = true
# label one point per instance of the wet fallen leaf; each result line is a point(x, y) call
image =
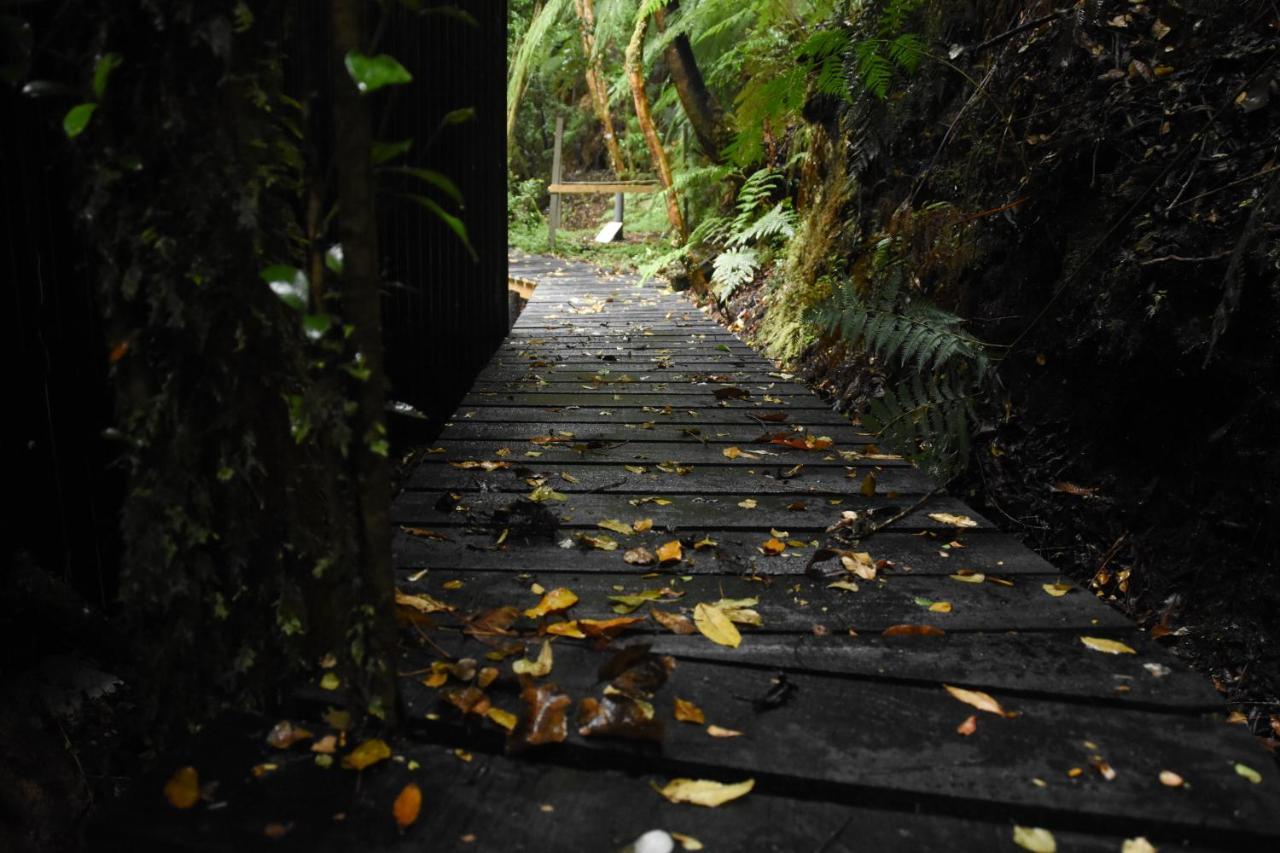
point(953, 520)
point(1137, 845)
point(544, 493)
point(183, 788)
point(704, 542)
point(536, 668)
point(687, 842)
point(326, 745)
point(506, 719)
point(730, 392)
point(599, 542)
point(553, 602)
point(715, 625)
point(639, 556)
point(1170, 779)
point(407, 805)
point(721, 731)
point(670, 551)
point(330, 681)
point(673, 622)
point(687, 712)
point(492, 623)
point(618, 716)
point(704, 792)
point(616, 526)
point(772, 547)
point(636, 469)
point(486, 677)
point(968, 576)
point(285, 734)
point(642, 525)
point(848, 586)
point(468, 700)
point(1249, 773)
point(731, 452)
point(566, 629)
point(860, 563)
point(868, 488)
point(1035, 839)
point(421, 603)
point(912, 631)
point(366, 754)
point(607, 629)
point(978, 699)
point(543, 720)
point(1111, 647)
point(749, 503)
point(425, 534)
point(1057, 590)
point(969, 726)
point(739, 610)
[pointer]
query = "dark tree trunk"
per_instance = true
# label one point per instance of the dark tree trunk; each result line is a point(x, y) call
point(699, 104)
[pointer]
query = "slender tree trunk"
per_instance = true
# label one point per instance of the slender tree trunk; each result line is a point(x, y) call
point(357, 229)
point(700, 106)
point(596, 85)
point(634, 64)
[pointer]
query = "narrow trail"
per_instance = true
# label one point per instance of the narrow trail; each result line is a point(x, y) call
point(613, 401)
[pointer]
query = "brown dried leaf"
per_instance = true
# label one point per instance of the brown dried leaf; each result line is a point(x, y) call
point(687, 712)
point(673, 622)
point(912, 631)
point(544, 718)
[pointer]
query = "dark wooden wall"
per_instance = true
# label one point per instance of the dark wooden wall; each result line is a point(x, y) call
point(445, 313)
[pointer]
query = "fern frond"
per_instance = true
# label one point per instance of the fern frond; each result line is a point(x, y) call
point(732, 269)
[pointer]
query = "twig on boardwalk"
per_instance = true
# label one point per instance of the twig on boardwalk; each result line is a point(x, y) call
point(607, 486)
point(894, 519)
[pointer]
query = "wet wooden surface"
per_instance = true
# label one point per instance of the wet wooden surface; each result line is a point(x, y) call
point(603, 405)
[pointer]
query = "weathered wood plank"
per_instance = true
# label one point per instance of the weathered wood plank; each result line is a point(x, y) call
point(639, 452)
point(703, 416)
point(721, 435)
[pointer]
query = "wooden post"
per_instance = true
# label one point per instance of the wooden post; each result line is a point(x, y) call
point(553, 215)
point(617, 213)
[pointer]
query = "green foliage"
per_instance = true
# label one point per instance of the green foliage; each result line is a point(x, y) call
point(371, 73)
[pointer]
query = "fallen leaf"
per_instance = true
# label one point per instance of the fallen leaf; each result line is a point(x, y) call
point(1072, 489)
point(425, 534)
point(868, 488)
point(721, 731)
point(608, 628)
point(715, 625)
point(968, 727)
point(326, 745)
point(553, 602)
point(536, 668)
point(673, 622)
point(469, 700)
point(330, 681)
point(618, 716)
point(1137, 845)
point(687, 842)
point(366, 754)
point(421, 603)
point(285, 734)
point(912, 631)
point(704, 792)
point(968, 576)
point(1248, 773)
point(1035, 839)
point(1111, 647)
point(749, 503)
point(492, 623)
point(731, 452)
point(506, 719)
point(616, 526)
point(598, 542)
point(639, 556)
point(978, 699)
point(848, 586)
point(183, 788)
point(687, 712)
point(739, 610)
point(704, 542)
point(1057, 590)
point(860, 563)
point(1170, 779)
point(544, 493)
point(772, 547)
point(953, 520)
point(566, 629)
point(670, 551)
point(636, 469)
point(407, 805)
point(543, 720)
point(642, 525)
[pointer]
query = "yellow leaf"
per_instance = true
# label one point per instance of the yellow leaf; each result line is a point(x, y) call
point(1035, 839)
point(705, 542)
point(715, 626)
point(642, 524)
point(1249, 773)
point(366, 754)
point(1111, 647)
point(635, 469)
point(407, 805)
point(687, 842)
point(183, 788)
point(1170, 779)
point(553, 602)
point(1137, 845)
point(978, 699)
point(848, 586)
point(536, 668)
point(772, 547)
point(421, 603)
point(567, 629)
point(940, 607)
point(704, 792)
point(860, 563)
point(600, 543)
point(749, 503)
point(968, 576)
point(721, 731)
point(953, 520)
point(687, 712)
point(330, 681)
point(506, 719)
point(1057, 590)
point(546, 493)
point(731, 453)
point(616, 526)
point(670, 551)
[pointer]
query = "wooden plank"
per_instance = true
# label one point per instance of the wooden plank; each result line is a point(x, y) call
point(896, 743)
point(699, 512)
point(608, 399)
point(606, 412)
point(934, 553)
point(794, 605)
point(603, 188)
point(643, 453)
point(721, 435)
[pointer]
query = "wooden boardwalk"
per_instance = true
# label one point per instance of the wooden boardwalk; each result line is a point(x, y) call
point(616, 401)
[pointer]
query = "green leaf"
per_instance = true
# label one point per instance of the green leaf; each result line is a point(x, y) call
point(315, 325)
point(77, 119)
point(455, 224)
point(434, 178)
point(288, 283)
point(460, 116)
point(384, 151)
point(371, 73)
point(333, 259)
point(102, 72)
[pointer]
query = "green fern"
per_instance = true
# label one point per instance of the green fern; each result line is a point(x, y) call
point(732, 269)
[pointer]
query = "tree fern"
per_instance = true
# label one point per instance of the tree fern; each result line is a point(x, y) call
point(733, 268)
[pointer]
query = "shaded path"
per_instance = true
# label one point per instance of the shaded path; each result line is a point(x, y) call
point(605, 394)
